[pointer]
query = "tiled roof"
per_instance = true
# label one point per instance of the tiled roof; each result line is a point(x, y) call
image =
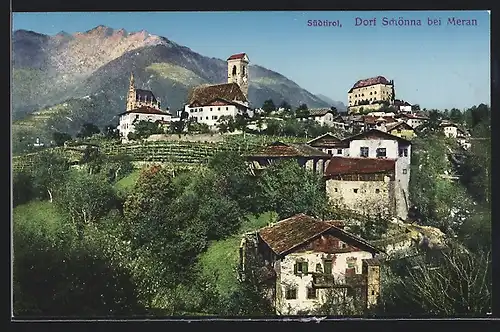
point(395, 125)
point(349, 165)
point(144, 95)
point(147, 110)
point(398, 102)
point(291, 232)
point(375, 133)
point(370, 81)
point(415, 116)
point(287, 234)
point(236, 56)
point(328, 140)
point(327, 136)
point(206, 93)
point(279, 149)
point(317, 112)
point(369, 119)
point(371, 261)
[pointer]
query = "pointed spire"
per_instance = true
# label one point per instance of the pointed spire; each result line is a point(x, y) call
point(132, 82)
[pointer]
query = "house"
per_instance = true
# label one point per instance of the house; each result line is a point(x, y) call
point(401, 129)
point(402, 106)
point(325, 117)
point(305, 155)
point(455, 131)
point(370, 93)
point(377, 122)
point(208, 103)
point(415, 120)
point(363, 185)
point(143, 113)
point(378, 144)
point(307, 259)
point(329, 143)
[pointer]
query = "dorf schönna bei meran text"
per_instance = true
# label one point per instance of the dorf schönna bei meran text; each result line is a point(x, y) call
point(396, 21)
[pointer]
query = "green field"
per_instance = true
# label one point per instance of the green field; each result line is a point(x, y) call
point(128, 182)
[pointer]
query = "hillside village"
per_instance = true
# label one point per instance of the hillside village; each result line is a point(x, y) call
point(303, 260)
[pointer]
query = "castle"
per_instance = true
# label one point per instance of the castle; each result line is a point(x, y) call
point(137, 98)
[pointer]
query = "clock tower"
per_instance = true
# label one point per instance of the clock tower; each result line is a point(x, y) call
point(237, 71)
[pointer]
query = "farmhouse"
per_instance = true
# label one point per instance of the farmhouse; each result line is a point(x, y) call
point(331, 144)
point(305, 155)
point(378, 144)
point(208, 103)
point(309, 261)
point(143, 113)
point(363, 185)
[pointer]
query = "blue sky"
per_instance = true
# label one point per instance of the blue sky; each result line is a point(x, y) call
point(435, 66)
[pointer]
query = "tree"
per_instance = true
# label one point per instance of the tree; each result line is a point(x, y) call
point(285, 106)
point(334, 110)
point(288, 189)
point(88, 130)
point(111, 132)
point(60, 138)
point(274, 128)
point(456, 116)
point(86, 198)
point(241, 121)
point(268, 107)
point(226, 124)
point(22, 188)
point(177, 127)
point(144, 129)
point(302, 111)
point(48, 171)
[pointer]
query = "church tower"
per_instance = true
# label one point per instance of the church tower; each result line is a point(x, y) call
point(131, 97)
point(237, 71)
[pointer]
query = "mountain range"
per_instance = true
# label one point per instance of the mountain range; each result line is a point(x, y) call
point(61, 81)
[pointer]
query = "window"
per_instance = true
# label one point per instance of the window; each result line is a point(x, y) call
point(399, 130)
point(218, 108)
point(403, 152)
point(227, 108)
point(343, 245)
point(355, 190)
point(329, 151)
point(373, 292)
point(243, 68)
point(210, 109)
point(381, 152)
point(207, 117)
point(201, 109)
point(311, 293)
point(377, 191)
point(214, 117)
point(191, 110)
point(300, 267)
point(404, 171)
point(234, 70)
point(291, 293)
point(375, 92)
point(370, 93)
point(328, 266)
point(339, 151)
point(336, 190)
point(363, 151)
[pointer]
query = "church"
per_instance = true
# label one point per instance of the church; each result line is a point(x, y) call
point(142, 105)
point(208, 103)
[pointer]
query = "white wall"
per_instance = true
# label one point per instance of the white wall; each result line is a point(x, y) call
point(211, 114)
point(450, 131)
point(126, 125)
point(391, 147)
point(414, 123)
point(301, 282)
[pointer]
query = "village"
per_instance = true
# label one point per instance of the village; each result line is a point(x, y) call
point(364, 158)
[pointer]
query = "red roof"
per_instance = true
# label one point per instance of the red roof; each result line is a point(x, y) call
point(371, 81)
point(341, 165)
point(237, 56)
point(370, 119)
point(146, 110)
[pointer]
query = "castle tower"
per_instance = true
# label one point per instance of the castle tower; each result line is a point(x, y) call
point(237, 71)
point(131, 99)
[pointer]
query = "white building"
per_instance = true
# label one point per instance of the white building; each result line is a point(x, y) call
point(454, 131)
point(208, 103)
point(144, 113)
point(331, 144)
point(307, 257)
point(415, 120)
point(377, 144)
point(323, 116)
point(402, 106)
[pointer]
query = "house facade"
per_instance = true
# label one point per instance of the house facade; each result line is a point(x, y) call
point(415, 120)
point(370, 93)
point(209, 103)
point(311, 257)
point(401, 129)
point(144, 113)
point(362, 185)
point(377, 144)
point(306, 156)
point(325, 117)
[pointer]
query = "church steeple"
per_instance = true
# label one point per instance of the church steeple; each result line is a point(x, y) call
point(131, 93)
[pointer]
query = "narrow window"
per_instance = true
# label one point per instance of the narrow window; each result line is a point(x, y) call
point(404, 171)
point(218, 108)
point(328, 266)
point(373, 292)
point(291, 293)
point(300, 268)
point(377, 191)
point(311, 293)
point(227, 108)
point(355, 191)
point(339, 151)
point(329, 152)
point(207, 117)
point(234, 70)
point(363, 151)
point(336, 190)
point(210, 108)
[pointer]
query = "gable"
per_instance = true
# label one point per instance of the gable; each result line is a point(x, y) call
point(328, 244)
point(374, 134)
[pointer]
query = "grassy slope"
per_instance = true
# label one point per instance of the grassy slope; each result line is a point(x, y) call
point(41, 213)
point(222, 257)
point(176, 73)
point(128, 182)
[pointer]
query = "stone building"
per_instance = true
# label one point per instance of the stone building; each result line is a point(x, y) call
point(363, 185)
point(307, 259)
point(304, 154)
point(371, 93)
point(378, 144)
point(208, 103)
